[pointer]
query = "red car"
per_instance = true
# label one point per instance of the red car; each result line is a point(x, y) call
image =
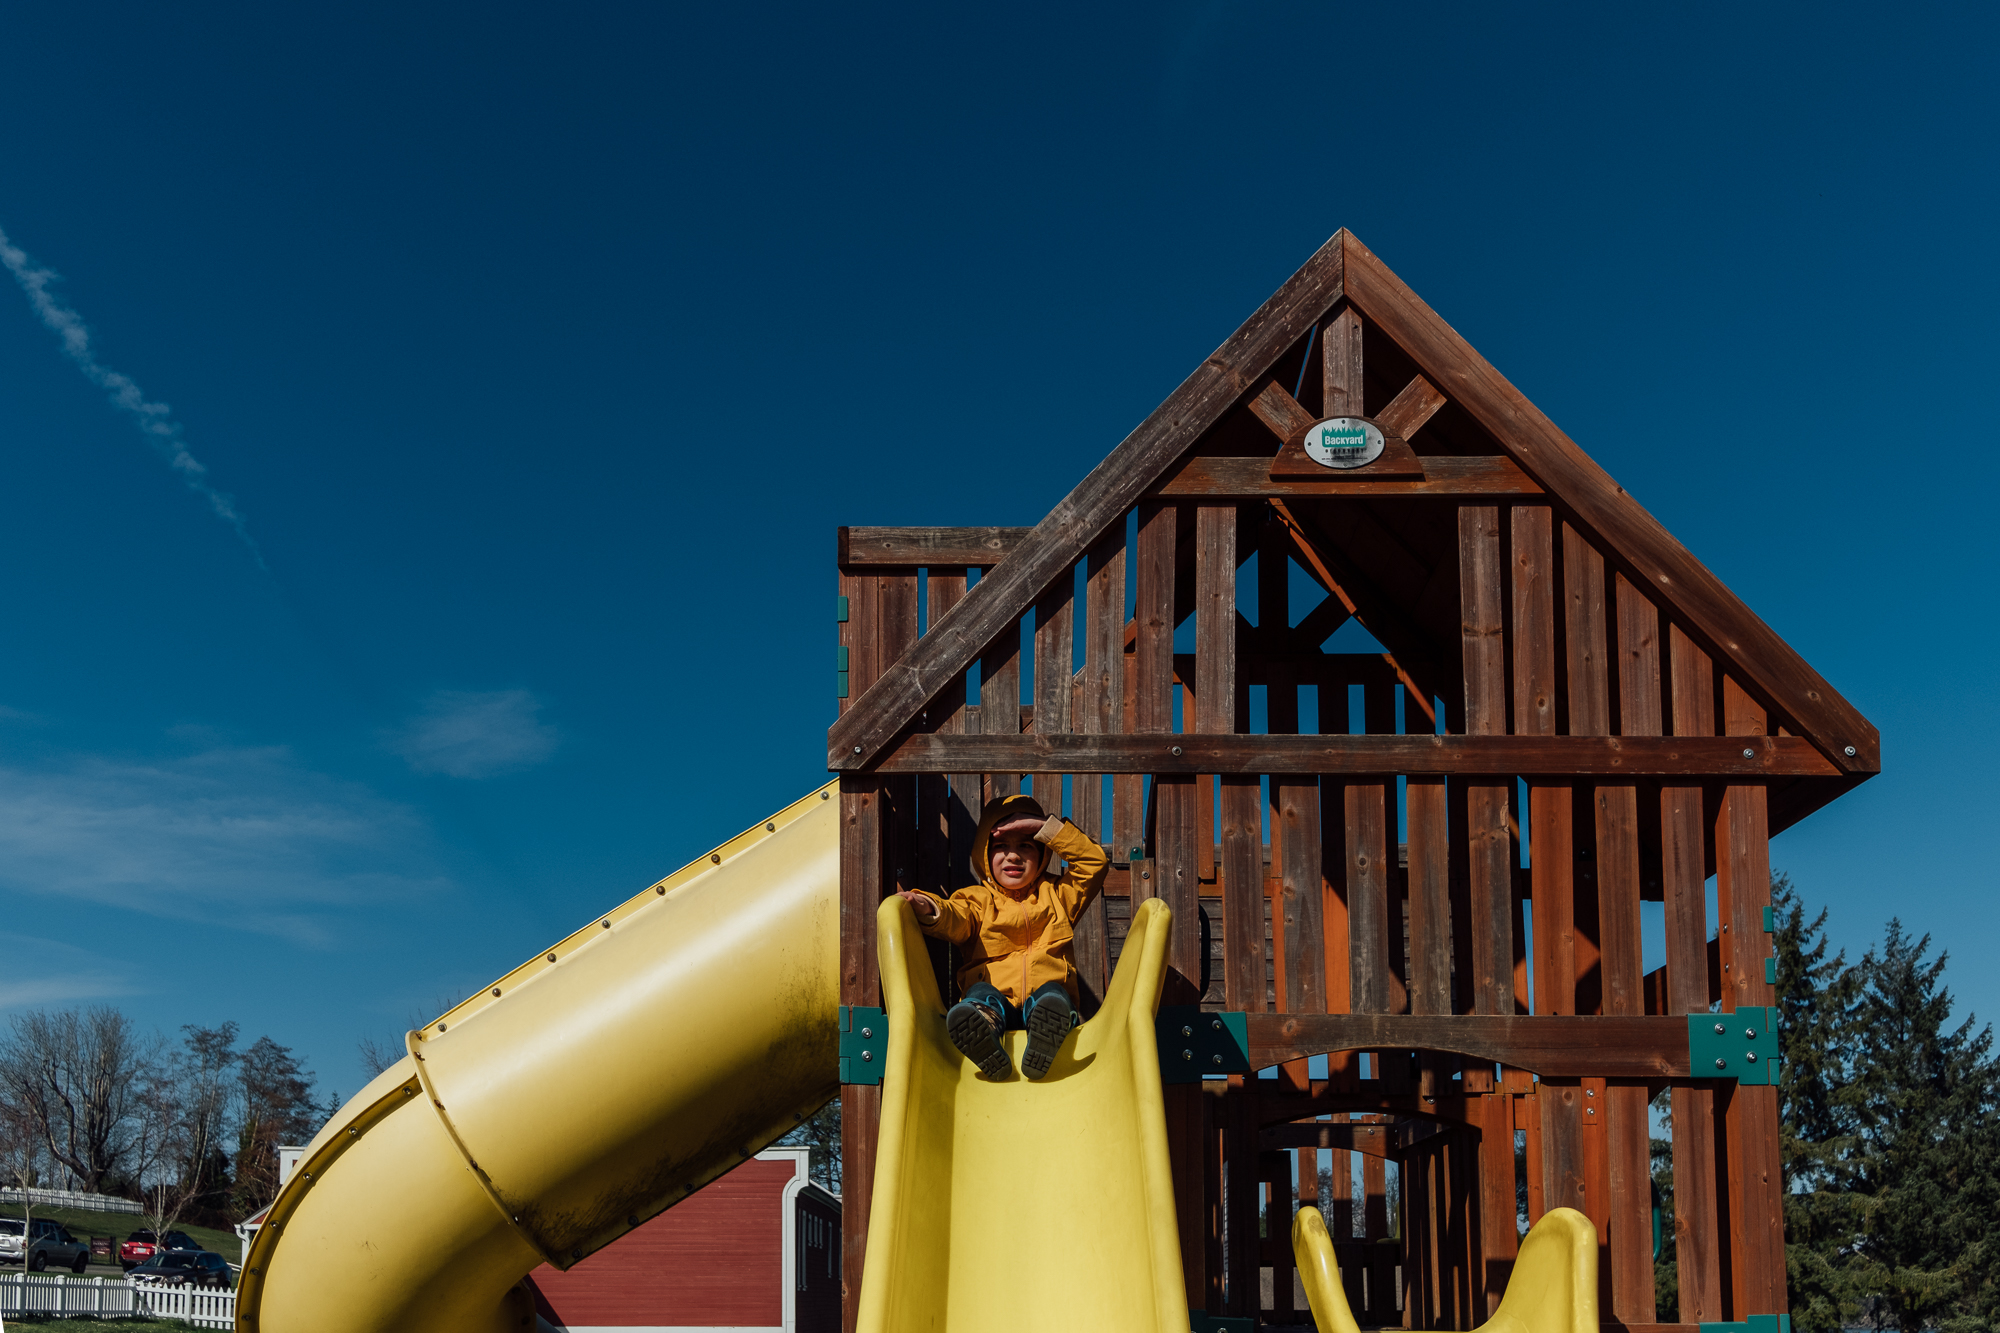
point(142, 1245)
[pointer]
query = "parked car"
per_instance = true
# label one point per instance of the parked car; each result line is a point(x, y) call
point(197, 1268)
point(143, 1245)
point(42, 1242)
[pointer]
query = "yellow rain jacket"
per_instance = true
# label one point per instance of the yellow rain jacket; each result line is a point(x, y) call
point(1020, 942)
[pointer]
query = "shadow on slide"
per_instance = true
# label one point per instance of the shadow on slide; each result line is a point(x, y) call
point(573, 1099)
point(1553, 1288)
point(1010, 1205)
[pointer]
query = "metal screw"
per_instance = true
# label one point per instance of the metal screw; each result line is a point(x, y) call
point(1590, 1092)
point(715, 857)
point(632, 1221)
point(1750, 1034)
point(1719, 1029)
point(868, 1032)
point(1749, 753)
point(1721, 1063)
point(1216, 1024)
point(440, 1027)
point(868, 1055)
point(1216, 1058)
point(1187, 1031)
point(1850, 752)
point(826, 796)
point(496, 992)
point(771, 828)
point(552, 958)
point(660, 889)
point(1751, 1056)
point(857, 749)
point(1187, 1055)
point(1145, 874)
point(1177, 752)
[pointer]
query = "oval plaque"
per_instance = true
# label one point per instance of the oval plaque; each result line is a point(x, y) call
point(1344, 442)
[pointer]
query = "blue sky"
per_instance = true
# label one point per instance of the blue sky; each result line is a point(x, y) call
point(541, 350)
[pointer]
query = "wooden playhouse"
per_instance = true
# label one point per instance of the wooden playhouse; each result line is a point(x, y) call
point(1426, 864)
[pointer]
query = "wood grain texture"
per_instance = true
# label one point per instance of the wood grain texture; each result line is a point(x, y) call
point(1341, 364)
point(1631, 1204)
point(1552, 870)
point(1499, 756)
point(1584, 637)
point(1647, 1046)
point(1153, 614)
point(1481, 641)
point(1533, 584)
point(1055, 647)
point(1556, 461)
point(1410, 409)
point(1089, 511)
point(979, 547)
point(1215, 620)
point(1430, 900)
point(1226, 477)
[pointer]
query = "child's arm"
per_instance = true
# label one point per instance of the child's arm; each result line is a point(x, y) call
point(943, 918)
point(1083, 876)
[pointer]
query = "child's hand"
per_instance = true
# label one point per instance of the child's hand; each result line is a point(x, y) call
point(921, 904)
point(1026, 827)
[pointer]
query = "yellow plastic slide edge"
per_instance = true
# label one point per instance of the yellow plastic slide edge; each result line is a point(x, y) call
point(1553, 1288)
point(716, 856)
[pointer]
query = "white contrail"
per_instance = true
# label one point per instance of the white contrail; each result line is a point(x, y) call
point(155, 420)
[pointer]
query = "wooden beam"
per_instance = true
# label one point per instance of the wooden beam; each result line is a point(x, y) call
point(1735, 757)
point(1409, 410)
point(1668, 568)
point(982, 547)
point(1220, 477)
point(1377, 1140)
point(1646, 1046)
point(1099, 500)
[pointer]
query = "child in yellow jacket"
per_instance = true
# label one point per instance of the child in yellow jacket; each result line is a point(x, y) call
point(1014, 928)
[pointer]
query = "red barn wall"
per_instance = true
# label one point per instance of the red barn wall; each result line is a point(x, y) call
point(714, 1260)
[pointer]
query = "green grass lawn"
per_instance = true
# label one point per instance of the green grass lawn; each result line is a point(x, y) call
point(97, 1325)
point(118, 1226)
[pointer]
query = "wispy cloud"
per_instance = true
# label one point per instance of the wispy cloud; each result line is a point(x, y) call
point(473, 734)
point(154, 419)
point(44, 971)
point(244, 837)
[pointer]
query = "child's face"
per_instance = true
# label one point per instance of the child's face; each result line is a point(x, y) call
point(1016, 859)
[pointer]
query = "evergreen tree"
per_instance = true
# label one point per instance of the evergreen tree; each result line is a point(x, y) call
point(1928, 1159)
point(1817, 996)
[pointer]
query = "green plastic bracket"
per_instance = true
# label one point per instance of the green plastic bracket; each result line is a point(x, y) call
point(1756, 1323)
point(840, 657)
point(1201, 1321)
point(1771, 971)
point(864, 1042)
point(1742, 1045)
point(840, 609)
point(1196, 1044)
point(1770, 919)
point(840, 670)
point(840, 684)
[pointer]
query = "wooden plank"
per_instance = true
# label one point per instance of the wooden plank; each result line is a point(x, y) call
point(1584, 616)
point(999, 712)
point(1088, 512)
point(1295, 834)
point(1639, 677)
point(1682, 878)
point(1368, 869)
point(1561, 1114)
point(1552, 871)
point(1667, 566)
point(1154, 617)
point(1215, 620)
point(1489, 846)
point(1430, 897)
point(1410, 409)
point(1533, 589)
point(979, 547)
point(1340, 359)
point(1646, 1046)
point(1228, 477)
point(1743, 862)
point(1099, 711)
point(1448, 756)
point(1242, 893)
point(1631, 1179)
point(1241, 1148)
point(1499, 1242)
point(1055, 649)
point(1281, 413)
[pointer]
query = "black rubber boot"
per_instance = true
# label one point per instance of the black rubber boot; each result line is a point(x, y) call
point(1048, 1025)
point(977, 1036)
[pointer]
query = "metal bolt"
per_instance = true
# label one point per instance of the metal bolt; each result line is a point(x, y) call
point(440, 1027)
point(826, 796)
point(1187, 1031)
point(552, 958)
point(715, 857)
point(857, 749)
point(660, 889)
point(1721, 1063)
point(1751, 1056)
point(1145, 874)
point(632, 1221)
point(606, 923)
point(496, 992)
point(771, 828)
point(1176, 752)
point(1590, 1092)
point(1850, 752)
point(868, 1055)
point(868, 1032)
point(1216, 1058)
point(1719, 1029)
point(1749, 753)
point(1216, 1023)
point(1750, 1034)
point(1187, 1055)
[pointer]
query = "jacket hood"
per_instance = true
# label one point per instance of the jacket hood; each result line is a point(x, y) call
point(997, 813)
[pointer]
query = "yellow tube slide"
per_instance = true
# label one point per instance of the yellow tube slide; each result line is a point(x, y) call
point(573, 1099)
point(1553, 1289)
point(1010, 1205)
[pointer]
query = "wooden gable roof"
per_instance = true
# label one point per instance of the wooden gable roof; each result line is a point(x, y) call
point(1239, 377)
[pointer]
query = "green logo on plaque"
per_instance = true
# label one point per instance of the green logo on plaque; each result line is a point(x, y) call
point(1343, 442)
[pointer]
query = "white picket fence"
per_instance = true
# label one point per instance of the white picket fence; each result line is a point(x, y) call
point(95, 1203)
point(42, 1293)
